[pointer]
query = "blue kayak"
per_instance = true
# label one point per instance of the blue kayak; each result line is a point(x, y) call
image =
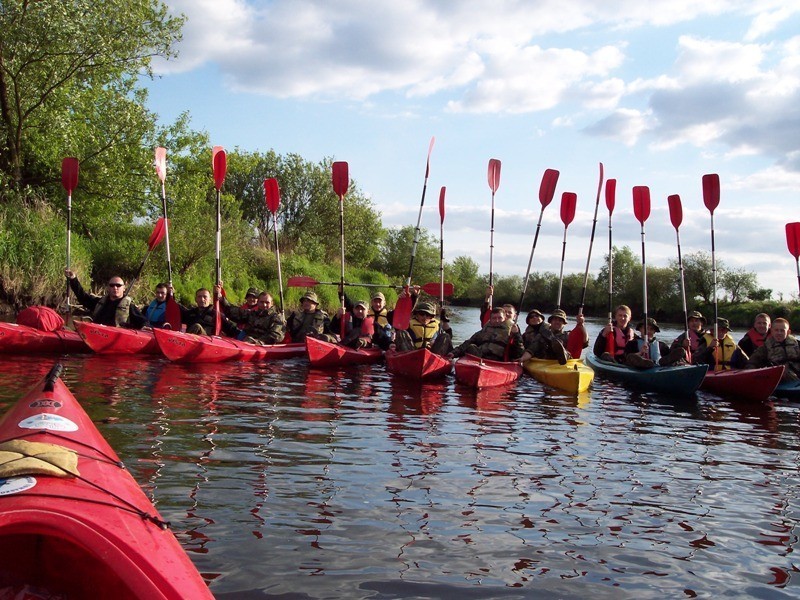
point(789, 390)
point(680, 380)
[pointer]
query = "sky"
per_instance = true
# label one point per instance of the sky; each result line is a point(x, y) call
point(659, 92)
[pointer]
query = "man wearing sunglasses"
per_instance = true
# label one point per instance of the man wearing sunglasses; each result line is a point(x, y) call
point(114, 308)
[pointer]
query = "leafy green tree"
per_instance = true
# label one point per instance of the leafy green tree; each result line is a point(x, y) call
point(740, 284)
point(395, 255)
point(700, 276)
point(463, 274)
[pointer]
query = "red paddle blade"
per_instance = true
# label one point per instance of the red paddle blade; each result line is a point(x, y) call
point(428, 164)
point(172, 314)
point(340, 178)
point(159, 231)
point(69, 173)
point(568, 202)
point(547, 188)
point(494, 174)
point(220, 164)
point(793, 238)
point(441, 204)
point(368, 326)
point(161, 163)
point(675, 210)
point(711, 191)
point(436, 289)
point(641, 203)
point(611, 195)
point(272, 194)
point(302, 281)
point(575, 341)
point(402, 313)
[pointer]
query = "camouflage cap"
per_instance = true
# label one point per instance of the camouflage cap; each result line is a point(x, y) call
point(425, 307)
point(311, 296)
point(558, 314)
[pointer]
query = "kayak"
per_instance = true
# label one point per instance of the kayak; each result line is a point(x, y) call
point(573, 377)
point(481, 372)
point(788, 390)
point(681, 380)
point(326, 354)
point(748, 384)
point(21, 339)
point(104, 339)
point(87, 530)
point(188, 347)
point(418, 364)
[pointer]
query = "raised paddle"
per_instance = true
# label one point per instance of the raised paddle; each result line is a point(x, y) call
point(711, 200)
point(611, 198)
point(69, 179)
point(578, 335)
point(402, 310)
point(432, 289)
point(272, 197)
point(494, 183)
point(641, 210)
point(793, 242)
point(676, 216)
point(441, 249)
point(220, 166)
point(547, 189)
point(340, 177)
point(568, 203)
point(156, 237)
point(172, 312)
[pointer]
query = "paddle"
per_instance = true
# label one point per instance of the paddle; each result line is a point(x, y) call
point(547, 189)
point(69, 179)
point(611, 190)
point(494, 183)
point(172, 312)
point(676, 216)
point(340, 177)
point(432, 289)
point(220, 167)
point(711, 200)
point(641, 209)
point(272, 196)
point(568, 202)
point(156, 237)
point(441, 249)
point(793, 241)
point(577, 336)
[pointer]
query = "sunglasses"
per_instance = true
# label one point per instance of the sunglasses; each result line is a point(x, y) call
point(115, 284)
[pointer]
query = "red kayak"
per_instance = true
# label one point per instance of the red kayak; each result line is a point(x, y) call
point(418, 364)
point(21, 339)
point(188, 347)
point(748, 384)
point(326, 354)
point(105, 339)
point(480, 372)
point(91, 534)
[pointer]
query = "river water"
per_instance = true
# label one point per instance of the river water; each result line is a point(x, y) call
point(286, 482)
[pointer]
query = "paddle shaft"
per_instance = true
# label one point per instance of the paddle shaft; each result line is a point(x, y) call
point(714, 277)
point(610, 272)
point(278, 258)
point(644, 285)
point(419, 217)
point(341, 244)
point(69, 248)
point(441, 262)
point(561, 273)
point(166, 231)
point(530, 262)
point(591, 243)
point(683, 286)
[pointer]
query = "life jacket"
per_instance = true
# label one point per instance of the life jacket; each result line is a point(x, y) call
point(302, 323)
point(621, 339)
point(786, 352)
point(423, 335)
point(653, 349)
point(156, 312)
point(756, 338)
point(531, 331)
point(122, 314)
point(381, 317)
point(727, 348)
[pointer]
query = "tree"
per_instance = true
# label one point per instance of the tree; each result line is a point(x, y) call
point(699, 276)
point(395, 255)
point(463, 274)
point(740, 284)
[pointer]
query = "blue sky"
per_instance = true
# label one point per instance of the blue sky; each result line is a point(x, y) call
point(660, 92)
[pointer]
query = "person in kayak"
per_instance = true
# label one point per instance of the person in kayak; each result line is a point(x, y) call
point(114, 308)
point(720, 352)
point(201, 318)
point(260, 325)
point(623, 333)
point(535, 322)
point(755, 337)
point(424, 331)
point(251, 299)
point(551, 343)
point(156, 311)
point(494, 341)
point(646, 352)
point(695, 344)
point(310, 320)
point(780, 348)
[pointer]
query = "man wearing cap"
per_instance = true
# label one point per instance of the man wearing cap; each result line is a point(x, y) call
point(494, 341)
point(309, 320)
point(424, 331)
point(551, 343)
point(359, 329)
point(535, 322)
point(261, 325)
point(695, 343)
point(719, 351)
point(113, 308)
point(251, 299)
point(646, 352)
point(781, 348)
point(622, 333)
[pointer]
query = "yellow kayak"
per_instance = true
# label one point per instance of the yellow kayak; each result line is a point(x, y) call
point(573, 377)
